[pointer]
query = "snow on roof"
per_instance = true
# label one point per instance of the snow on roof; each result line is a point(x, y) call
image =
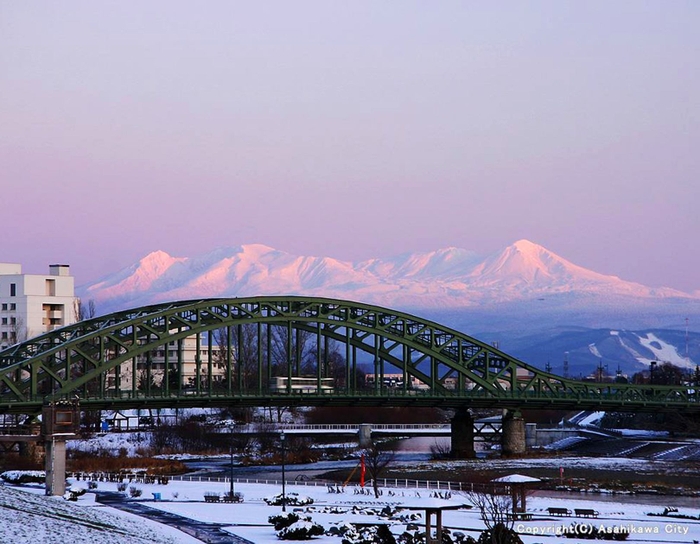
point(516, 479)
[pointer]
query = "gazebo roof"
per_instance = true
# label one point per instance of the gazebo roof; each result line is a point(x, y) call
point(516, 479)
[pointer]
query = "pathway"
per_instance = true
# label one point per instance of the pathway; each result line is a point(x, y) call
point(211, 533)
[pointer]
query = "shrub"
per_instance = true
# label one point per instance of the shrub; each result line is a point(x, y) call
point(121, 486)
point(135, 492)
point(72, 494)
point(280, 521)
point(92, 485)
point(292, 499)
point(377, 534)
point(499, 533)
point(301, 530)
point(211, 496)
point(417, 536)
point(237, 496)
point(590, 532)
point(24, 476)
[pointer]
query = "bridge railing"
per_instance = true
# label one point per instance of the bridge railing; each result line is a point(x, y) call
point(617, 397)
point(356, 426)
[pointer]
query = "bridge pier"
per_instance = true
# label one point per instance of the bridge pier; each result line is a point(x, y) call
point(56, 466)
point(364, 435)
point(513, 434)
point(462, 435)
point(60, 421)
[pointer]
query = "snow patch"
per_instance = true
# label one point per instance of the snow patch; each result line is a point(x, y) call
point(594, 350)
point(662, 351)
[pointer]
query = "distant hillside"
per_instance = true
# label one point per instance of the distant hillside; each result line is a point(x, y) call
point(586, 349)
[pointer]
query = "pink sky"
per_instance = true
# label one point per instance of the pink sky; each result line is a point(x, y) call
point(351, 130)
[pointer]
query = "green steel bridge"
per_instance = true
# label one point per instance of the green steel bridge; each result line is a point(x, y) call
point(292, 351)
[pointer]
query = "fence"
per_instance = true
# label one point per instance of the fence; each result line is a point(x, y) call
point(436, 485)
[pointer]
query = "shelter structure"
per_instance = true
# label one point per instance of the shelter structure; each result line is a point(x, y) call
point(518, 484)
point(433, 511)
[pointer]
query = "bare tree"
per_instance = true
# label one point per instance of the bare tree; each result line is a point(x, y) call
point(241, 346)
point(495, 505)
point(83, 311)
point(18, 330)
point(377, 458)
point(290, 351)
point(332, 361)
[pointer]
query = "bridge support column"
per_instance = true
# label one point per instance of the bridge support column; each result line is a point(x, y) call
point(55, 466)
point(531, 435)
point(462, 435)
point(32, 450)
point(364, 435)
point(60, 421)
point(513, 434)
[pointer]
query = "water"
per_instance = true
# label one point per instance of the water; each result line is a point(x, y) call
point(643, 498)
point(222, 467)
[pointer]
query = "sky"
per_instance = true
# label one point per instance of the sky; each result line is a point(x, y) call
point(351, 130)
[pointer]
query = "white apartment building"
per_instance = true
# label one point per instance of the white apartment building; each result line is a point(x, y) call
point(182, 357)
point(32, 304)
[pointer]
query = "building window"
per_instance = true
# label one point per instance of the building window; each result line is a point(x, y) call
point(13, 321)
point(13, 306)
point(13, 289)
point(4, 321)
point(4, 336)
point(4, 307)
point(50, 288)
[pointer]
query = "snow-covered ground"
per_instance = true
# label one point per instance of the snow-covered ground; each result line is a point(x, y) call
point(27, 516)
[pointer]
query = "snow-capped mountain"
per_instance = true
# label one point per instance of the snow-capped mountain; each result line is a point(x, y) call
point(449, 278)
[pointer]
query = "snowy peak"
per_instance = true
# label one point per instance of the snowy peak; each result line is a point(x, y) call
point(531, 264)
point(448, 263)
point(445, 278)
point(138, 277)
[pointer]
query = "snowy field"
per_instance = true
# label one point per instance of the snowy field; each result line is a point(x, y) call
point(28, 516)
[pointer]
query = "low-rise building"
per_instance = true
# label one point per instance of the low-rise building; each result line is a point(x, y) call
point(187, 364)
point(32, 304)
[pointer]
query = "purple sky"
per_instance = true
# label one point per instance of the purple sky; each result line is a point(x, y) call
point(351, 130)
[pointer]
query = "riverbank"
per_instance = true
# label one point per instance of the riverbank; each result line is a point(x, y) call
point(585, 474)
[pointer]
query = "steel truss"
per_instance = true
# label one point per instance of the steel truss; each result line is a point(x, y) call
point(262, 339)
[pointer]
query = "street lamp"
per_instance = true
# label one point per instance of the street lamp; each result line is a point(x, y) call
point(231, 453)
point(284, 492)
point(652, 368)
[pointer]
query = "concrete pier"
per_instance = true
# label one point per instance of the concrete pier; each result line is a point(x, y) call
point(513, 440)
point(364, 435)
point(60, 422)
point(462, 435)
point(56, 466)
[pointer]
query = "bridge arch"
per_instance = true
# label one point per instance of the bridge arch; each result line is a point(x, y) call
point(250, 351)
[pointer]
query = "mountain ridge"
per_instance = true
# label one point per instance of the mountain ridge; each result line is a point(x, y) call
point(445, 278)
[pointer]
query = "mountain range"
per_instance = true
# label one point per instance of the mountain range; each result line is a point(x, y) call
point(511, 296)
point(446, 278)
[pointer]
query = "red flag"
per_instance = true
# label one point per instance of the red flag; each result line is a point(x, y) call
point(362, 470)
